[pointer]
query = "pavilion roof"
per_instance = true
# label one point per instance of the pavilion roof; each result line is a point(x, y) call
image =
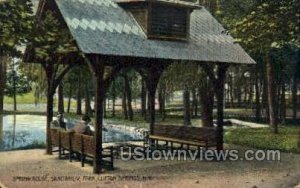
point(103, 27)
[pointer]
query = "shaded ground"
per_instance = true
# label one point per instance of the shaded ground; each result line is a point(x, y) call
point(17, 166)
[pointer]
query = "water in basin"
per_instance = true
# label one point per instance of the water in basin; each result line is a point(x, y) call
point(19, 131)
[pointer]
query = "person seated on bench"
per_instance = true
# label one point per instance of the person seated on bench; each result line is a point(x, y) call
point(82, 127)
point(59, 122)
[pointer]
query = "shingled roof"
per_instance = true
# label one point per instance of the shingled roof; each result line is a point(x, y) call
point(103, 27)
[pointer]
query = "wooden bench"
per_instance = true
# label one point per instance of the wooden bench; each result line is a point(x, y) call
point(81, 145)
point(183, 135)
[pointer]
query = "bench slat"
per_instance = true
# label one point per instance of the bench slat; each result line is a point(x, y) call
point(197, 136)
point(198, 143)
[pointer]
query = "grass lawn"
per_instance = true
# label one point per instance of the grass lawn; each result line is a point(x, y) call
point(288, 139)
point(27, 98)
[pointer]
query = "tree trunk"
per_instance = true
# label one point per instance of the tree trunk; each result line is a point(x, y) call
point(108, 104)
point(283, 104)
point(231, 92)
point(124, 104)
point(1, 129)
point(104, 107)
point(257, 99)
point(148, 113)
point(294, 97)
point(129, 97)
point(79, 97)
point(187, 109)
point(143, 99)
point(250, 99)
point(271, 94)
point(195, 102)
point(61, 107)
point(113, 99)
point(14, 86)
point(207, 101)
point(245, 102)
point(239, 96)
point(70, 97)
point(265, 93)
point(88, 108)
point(2, 82)
point(161, 101)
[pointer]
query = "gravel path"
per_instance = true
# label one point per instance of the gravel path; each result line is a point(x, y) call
point(32, 168)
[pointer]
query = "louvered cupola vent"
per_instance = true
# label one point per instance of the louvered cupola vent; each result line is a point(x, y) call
point(161, 19)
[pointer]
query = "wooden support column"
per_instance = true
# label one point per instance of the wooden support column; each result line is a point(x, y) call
point(98, 69)
point(153, 77)
point(218, 80)
point(52, 83)
point(219, 89)
point(50, 93)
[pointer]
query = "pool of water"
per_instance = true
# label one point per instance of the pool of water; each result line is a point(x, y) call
point(19, 131)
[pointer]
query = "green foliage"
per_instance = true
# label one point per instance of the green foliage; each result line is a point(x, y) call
point(51, 38)
point(261, 138)
point(17, 82)
point(118, 84)
point(15, 25)
point(182, 74)
point(272, 24)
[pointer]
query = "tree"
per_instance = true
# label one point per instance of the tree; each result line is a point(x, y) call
point(271, 25)
point(186, 77)
point(17, 82)
point(16, 18)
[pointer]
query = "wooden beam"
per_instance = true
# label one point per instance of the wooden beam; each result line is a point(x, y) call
point(153, 74)
point(219, 89)
point(97, 66)
point(50, 93)
point(218, 81)
point(52, 83)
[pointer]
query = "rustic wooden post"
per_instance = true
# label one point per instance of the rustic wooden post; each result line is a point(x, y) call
point(52, 84)
point(219, 89)
point(218, 81)
point(50, 93)
point(98, 69)
point(153, 76)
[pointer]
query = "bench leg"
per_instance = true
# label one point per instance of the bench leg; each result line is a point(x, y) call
point(70, 155)
point(59, 152)
point(156, 144)
point(59, 146)
point(82, 160)
point(112, 157)
point(188, 146)
point(171, 146)
point(199, 150)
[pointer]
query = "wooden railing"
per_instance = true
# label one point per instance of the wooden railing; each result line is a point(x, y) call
point(81, 145)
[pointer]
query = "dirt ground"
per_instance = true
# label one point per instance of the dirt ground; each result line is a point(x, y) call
point(32, 168)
